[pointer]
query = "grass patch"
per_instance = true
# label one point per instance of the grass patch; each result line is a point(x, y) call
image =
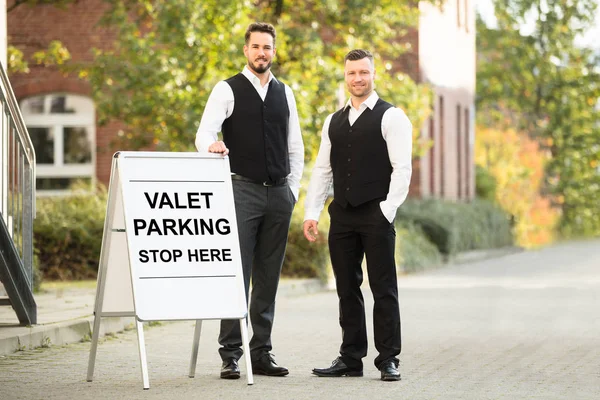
point(57, 285)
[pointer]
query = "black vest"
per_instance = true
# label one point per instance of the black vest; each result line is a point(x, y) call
point(359, 156)
point(256, 133)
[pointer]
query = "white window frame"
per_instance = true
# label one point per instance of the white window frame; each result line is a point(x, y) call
point(56, 122)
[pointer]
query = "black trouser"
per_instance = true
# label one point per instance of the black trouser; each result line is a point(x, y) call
point(355, 232)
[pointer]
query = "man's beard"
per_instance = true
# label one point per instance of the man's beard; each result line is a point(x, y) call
point(362, 92)
point(260, 69)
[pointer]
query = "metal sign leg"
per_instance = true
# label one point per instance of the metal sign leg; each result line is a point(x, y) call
point(142, 346)
point(246, 346)
point(95, 335)
point(195, 346)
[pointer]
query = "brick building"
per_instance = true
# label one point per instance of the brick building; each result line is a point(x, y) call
point(60, 114)
point(58, 109)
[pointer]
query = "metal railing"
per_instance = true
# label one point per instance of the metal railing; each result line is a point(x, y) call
point(17, 201)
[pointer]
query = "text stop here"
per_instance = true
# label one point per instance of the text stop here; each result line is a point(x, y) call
point(153, 227)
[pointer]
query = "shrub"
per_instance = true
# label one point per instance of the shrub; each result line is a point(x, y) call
point(304, 259)
point(456, 227)
point(68, 238)
point(37, 275)
point(68, 234)
point(485, 184)
point(414, 251)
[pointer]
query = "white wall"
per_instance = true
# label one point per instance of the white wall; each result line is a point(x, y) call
point(447, 57)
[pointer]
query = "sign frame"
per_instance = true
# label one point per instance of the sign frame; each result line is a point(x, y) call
point(133, 281)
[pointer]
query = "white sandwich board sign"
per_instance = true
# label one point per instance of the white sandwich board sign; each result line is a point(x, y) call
point(170, 249)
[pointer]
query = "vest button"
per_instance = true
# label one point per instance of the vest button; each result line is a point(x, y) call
point(350, 131)
point(349, 145)
point(347, 189)
point(349, 159)
point(349, 174)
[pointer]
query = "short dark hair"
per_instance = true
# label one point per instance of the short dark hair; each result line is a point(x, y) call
point(358, 54)
point(260, 27)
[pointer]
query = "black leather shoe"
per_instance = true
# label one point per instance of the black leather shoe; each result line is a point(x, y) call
point(230, 369)
point(338, 368)
point(265, 365)
point(389, 371)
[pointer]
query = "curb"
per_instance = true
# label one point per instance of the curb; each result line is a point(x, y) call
point(19, 338)
point(480, 255)
point(59, 333)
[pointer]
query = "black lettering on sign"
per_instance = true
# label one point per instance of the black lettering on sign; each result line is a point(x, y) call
point(181, 227)
point(209, 255)
point(172, 201)
point(137, 225)
point(144, 256)
point(164, 255)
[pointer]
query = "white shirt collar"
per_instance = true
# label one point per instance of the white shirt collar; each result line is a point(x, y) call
point(369, 102)
point(253, 78)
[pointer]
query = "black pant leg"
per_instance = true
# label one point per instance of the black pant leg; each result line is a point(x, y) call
point(378, 238)
point(346, 254)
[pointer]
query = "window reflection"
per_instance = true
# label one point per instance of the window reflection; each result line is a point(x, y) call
point(43, 143)
point(36, 105)
point(58, 105)
point(77, 146)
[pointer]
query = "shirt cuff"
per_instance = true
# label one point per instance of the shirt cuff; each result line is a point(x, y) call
point(295, 191)
point(388, 212)
point(312, 214)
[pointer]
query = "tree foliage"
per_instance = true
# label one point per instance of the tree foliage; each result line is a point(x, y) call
point(549, 88)
point(55, 54)
point(517, 164)
point(169, 55)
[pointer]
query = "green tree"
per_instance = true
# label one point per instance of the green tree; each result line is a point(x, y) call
point(549, 88)
point(56, 53)
point(169, 54)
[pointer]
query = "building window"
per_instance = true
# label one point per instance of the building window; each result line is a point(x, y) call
point(467, 154)
point(63, 132)
point(459, 135)
point(442, 165)
point(432, 156)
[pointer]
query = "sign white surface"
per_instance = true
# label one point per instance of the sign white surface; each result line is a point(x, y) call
point(182, 236)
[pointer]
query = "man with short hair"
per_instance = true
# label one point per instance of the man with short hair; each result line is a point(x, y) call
point(365, 153)
point(258, 118)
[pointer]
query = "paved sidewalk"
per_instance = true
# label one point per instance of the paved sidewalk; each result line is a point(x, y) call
point(66, 315)
point(523, 326)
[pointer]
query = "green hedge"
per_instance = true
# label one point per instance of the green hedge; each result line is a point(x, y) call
point(68, 235)
point(485, 184)
point(68, 238)
point(304, 259)
point(456, 227)
point(414, 251)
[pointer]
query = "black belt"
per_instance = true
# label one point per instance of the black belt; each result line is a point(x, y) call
point(278, 182)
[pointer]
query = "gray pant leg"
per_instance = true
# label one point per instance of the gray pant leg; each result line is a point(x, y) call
point(249, 205)
point(266, 269)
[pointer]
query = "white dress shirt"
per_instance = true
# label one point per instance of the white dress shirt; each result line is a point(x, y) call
point(219, 107)
point(396, 130)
